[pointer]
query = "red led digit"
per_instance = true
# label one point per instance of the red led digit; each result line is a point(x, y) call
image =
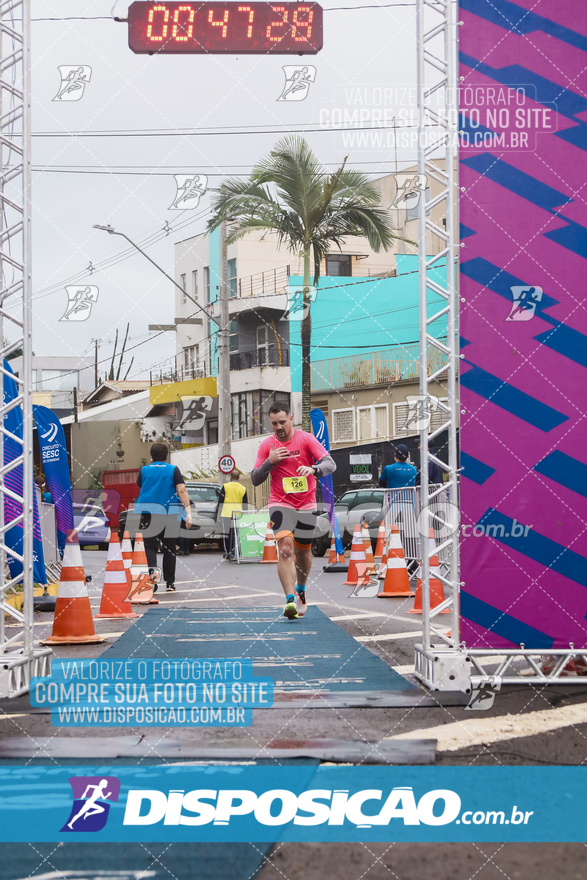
point(182, 28)
point(223, 24)
point(269, 35)
point(158, 8)
point(251, 17)
point(305, 24)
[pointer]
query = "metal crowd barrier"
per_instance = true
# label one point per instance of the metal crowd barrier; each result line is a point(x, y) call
point(403, 507)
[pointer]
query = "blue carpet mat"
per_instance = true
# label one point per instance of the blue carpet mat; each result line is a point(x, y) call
point(132, 861)
point(305, 654)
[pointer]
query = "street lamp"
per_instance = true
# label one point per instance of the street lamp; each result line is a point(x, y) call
point(223, 379)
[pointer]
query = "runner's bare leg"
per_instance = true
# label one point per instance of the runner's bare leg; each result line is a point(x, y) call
point(286, 565)
point(303, 564)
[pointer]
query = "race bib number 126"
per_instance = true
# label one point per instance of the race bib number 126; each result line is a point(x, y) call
point(295, 484)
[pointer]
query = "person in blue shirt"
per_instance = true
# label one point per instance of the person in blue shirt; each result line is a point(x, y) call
point(161, 483)
point(401, 473)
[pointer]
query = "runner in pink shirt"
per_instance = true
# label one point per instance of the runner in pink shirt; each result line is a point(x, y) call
point(294, 459)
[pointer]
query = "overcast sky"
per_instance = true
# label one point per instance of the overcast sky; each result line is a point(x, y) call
point(363, 49)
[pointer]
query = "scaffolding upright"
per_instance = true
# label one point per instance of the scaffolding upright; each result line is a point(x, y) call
point(439, 665)
point(20, 658)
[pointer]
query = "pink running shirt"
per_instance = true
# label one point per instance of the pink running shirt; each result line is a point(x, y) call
point(303, 449)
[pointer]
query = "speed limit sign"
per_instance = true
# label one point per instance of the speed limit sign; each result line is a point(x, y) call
point(227, 464)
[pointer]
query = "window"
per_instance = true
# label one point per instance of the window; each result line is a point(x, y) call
point(207, 284)
point(250, 412)
point(343, 425)
point(372, 422)
point(200, 494)
point(232, 278)
point(195, 283)
point(183, 282)
point(339, 264)
point(404, 416)
point(233, 336)
point(262, 345)
point(191, 356)
point(59, 380)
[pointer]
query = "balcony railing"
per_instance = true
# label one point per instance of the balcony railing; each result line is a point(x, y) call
point(272, 356)
point(376, 368)
point(271, 281)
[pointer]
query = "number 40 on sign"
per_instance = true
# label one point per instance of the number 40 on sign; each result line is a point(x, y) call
point(227, 464)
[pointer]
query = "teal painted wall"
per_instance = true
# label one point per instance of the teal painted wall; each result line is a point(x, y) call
point(373, 313)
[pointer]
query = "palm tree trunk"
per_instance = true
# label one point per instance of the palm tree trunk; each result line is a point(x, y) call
point(306, 343)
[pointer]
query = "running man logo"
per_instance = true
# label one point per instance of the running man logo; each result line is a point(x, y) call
point(73, 82)
point(419, 413)
point(525, 299)
point(90, 802)
point(190, 189)
point(298, 302)
point(297, 82)
point(408, 188)
point(80, 300)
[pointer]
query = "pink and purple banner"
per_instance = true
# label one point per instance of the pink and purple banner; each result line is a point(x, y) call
point(523, 273)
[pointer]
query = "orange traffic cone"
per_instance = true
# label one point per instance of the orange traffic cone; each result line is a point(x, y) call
point(380, 546)
point(115, 601)
point(357, 556)
point(383, 569)
point(436, 588)
point(140, 567)
point(269, 547)
point(368, 549)
point(126, 549)
point(397, 581)
point(333, 556)
point(73, 623)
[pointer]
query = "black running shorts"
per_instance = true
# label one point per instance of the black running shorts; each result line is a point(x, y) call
point(299, 524)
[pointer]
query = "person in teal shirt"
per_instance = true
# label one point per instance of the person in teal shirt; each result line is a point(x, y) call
point(401, 473)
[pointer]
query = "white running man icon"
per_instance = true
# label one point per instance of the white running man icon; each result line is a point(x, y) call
point(91, 808)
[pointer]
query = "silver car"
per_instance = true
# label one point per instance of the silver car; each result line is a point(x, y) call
point(355, 507)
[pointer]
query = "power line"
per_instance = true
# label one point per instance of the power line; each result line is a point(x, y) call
point(222, 131)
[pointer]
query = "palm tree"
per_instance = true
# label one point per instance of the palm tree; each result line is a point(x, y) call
point(290, 194)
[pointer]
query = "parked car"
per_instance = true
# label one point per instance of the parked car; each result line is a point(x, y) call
point(92, 524)
point(206, 524)
point(357, 506)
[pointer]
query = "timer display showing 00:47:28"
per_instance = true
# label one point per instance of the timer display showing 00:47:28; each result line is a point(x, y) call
point(240, 27)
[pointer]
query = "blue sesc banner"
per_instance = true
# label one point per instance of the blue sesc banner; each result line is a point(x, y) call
point(320, 428)
point(13, 480)
point(178, 803)
point(56, 467)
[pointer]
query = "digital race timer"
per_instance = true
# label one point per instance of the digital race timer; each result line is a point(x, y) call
point(272, 28)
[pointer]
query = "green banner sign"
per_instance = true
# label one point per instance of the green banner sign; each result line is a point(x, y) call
point(250, 532)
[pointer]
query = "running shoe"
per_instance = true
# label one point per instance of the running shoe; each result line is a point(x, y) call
point(171, 588)
point(290, 611)
point(301, 603)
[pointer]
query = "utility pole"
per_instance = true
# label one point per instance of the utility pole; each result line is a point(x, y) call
point(224, 402)
point(95, 363)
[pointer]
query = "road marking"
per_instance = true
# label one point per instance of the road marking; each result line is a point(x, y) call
point(359, 616)
point(388, 637)
point(223, 598)
point(403, 670)
point(485, 731)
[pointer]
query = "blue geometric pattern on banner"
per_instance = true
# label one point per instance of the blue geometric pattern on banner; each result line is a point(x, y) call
point(573, 237)
point(547, 92)
point(564, 469)
point(502, 624)
point(537, 547)
point(523, 185)
point(519, 20)
point(465, 126)
point(564, 340)
point(464, 342)
point(514, 401)
point(466, 231)
point(474, 469)
point(499, 281)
